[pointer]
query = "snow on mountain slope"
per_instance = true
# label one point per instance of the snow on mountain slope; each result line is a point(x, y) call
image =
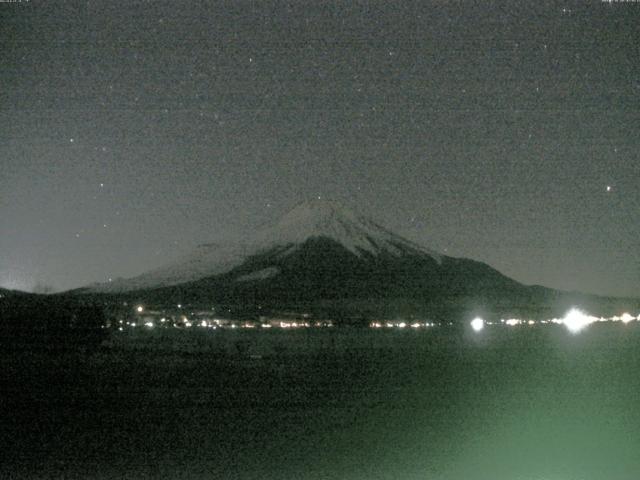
point(308, 220)
point(330, 220)
point(259, 274)
point(207, 260)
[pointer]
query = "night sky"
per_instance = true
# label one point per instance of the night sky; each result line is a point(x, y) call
point(504, 132)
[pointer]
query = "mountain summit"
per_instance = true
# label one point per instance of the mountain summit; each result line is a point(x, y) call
point(327, 219)
point(310, 220)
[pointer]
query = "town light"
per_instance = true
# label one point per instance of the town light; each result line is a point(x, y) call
point(626, 318)
point(477, 324)
point(575, 320)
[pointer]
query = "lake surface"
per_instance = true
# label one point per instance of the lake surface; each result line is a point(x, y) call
point(524, 403)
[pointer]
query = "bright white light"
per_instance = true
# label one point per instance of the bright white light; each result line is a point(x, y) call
point(477, 324)
point(402, 325)
point(575, 320)
point(140, 309)
point(626, 318)
point(512, 322)
point(149, 324)
point(203, 323)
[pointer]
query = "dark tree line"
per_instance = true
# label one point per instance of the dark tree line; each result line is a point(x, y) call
point(49, 322)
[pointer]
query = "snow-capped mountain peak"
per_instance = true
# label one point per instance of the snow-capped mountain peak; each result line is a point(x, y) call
point(323, 218)
point(308, 220)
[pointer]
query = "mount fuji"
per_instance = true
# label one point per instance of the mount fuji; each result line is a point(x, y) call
point(323, 223)
point(324, 256)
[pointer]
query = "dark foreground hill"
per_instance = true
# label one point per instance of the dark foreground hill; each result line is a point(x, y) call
point(48, 322)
